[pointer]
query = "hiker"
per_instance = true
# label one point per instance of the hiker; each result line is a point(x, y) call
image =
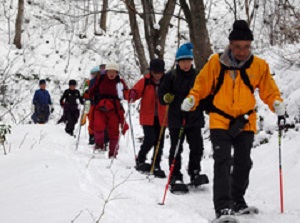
point(174, 88)
point(107, 92)
point(41, 104)
point(230, 80)
point(89, 102)
point(152, 116)
point(69, 102)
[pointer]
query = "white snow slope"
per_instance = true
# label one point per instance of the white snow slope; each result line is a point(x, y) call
point(44, 180)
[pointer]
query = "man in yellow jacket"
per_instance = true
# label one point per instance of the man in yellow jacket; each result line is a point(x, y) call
point(228, 82)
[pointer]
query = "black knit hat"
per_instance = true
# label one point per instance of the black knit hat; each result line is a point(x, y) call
point(157, 66)
point(72, 83)
point(42, 82)
point(241, 31)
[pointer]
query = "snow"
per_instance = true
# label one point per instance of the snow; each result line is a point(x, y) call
point(44, 178)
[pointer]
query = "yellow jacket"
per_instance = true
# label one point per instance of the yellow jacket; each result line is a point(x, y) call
point(234, 97)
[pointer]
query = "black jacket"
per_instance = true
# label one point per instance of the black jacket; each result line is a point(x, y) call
point(179, 84)
point(70, 97)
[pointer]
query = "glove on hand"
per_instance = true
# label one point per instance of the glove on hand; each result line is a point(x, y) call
point(188, 103)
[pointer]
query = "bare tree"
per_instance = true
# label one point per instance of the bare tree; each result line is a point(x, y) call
point(195, 17)
point(19, 21)
point(103, 15)
point(156, 33)
point(137, 42)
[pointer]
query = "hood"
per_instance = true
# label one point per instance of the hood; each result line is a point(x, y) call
point(228, 59)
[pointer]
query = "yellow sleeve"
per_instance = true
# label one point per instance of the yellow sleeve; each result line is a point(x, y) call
point(205, 80)
point(268, 90)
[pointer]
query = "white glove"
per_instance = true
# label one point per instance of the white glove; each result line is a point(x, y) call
point(188, 103)
point(120, 88)
point(279, 108)
point(32, 108)
point(87, 106)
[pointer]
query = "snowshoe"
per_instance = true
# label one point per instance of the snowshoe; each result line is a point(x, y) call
point(159, 173)
point(247, 210)
point(225, 216)
point(226, 219)
point(199, 180)
point(178, 187)
point(143, 167)
point(98, 149)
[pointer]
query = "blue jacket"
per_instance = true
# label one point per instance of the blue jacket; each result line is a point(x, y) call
point(41, 97)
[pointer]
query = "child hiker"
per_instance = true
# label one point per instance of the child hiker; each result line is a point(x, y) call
point(70, 105)
point(173, 90)
point(107, 92)
point(152, 117)
point(41, 104)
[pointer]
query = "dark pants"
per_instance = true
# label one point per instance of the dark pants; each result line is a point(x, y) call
point(230, 186)
point(71, 115)
point(195, 141)
point(41, 114)
point(151, 137)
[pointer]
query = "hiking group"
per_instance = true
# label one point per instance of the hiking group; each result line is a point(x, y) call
point(224, 88)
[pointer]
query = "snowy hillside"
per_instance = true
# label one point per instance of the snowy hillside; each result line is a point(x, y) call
point(44, 180)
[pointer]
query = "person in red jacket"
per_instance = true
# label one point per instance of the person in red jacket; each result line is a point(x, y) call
point(107, 91)
point(152, 115)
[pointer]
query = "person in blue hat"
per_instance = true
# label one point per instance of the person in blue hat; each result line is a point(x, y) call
point(174, 88)
point(41, 104)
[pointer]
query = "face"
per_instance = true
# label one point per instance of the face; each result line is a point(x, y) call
point(157, 76)
point(240, 49)
point(72, 87)
point(111, 74)
point(43, 86)
point(185, 65)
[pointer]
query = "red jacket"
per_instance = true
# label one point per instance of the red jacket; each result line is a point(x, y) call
point(106, 89)
point(148, 101)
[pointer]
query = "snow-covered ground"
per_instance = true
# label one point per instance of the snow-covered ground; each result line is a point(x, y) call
point(44, 180)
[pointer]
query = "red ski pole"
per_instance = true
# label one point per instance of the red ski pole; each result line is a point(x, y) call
point(280, 127)
point(181, 131)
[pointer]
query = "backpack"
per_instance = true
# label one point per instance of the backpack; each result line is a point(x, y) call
point(98, 96)
point(206, 104)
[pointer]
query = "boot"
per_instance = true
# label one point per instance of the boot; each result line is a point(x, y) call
point(177, 186)
point(198, 179)
point(158, 172)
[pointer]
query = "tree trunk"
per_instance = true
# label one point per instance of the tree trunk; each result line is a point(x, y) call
point(103, 15)
point(149, 21)
point(164, 25)
point(18, 27)
point(195, 17)
point(138, 45)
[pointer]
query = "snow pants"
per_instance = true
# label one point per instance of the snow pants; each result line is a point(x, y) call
point(231, 174)
point(195, 141)
point(151, 137)
point(71, 116)
point(107, 120)
point(41, 114)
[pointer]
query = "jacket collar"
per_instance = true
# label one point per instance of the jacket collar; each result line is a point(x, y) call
point(228, 59)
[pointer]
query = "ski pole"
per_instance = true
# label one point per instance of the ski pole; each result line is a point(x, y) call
point(81, 118)
point(181, 132)
point(159, 140)
point(280, 127)
point(131, 130)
